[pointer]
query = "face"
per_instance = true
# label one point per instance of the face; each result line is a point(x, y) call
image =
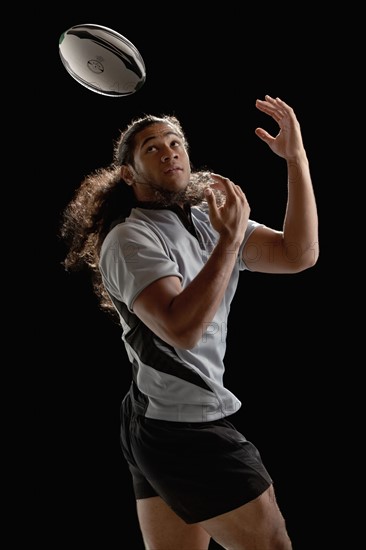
point(161, 163)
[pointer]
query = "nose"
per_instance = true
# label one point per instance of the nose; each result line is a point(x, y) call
point(168, 154)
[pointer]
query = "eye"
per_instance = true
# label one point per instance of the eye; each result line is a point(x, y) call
point(150, 148)
point(175, 143)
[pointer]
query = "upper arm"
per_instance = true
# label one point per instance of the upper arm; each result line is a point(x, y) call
point(153, 306)
point(265, 251)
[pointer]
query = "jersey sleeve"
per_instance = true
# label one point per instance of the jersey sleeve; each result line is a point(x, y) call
point(132, 257)
point(252, 225)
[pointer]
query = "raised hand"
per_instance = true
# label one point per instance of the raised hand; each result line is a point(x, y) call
point(288, 142)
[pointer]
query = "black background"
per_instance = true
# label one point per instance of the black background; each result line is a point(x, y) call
point(208, 70)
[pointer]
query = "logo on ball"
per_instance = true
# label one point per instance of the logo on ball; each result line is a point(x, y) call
point(95, 66)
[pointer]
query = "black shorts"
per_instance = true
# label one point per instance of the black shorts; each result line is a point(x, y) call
point(200, 469)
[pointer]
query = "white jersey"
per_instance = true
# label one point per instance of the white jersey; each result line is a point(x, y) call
point(174, 384)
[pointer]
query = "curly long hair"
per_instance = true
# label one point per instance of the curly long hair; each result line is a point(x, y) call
point(102, 198)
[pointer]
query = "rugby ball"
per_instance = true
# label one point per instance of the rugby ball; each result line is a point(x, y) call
point(102, 60)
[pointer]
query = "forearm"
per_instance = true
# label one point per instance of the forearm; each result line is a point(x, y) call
point(192, 310)
point(300, 231)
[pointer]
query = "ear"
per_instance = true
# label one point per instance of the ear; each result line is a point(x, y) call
point(126, 174)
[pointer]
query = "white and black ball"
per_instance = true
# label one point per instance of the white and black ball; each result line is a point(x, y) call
point(102, 60)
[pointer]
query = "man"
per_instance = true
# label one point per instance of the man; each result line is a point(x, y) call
point(170, 267)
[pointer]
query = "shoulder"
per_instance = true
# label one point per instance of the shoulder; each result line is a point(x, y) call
point(131, 231)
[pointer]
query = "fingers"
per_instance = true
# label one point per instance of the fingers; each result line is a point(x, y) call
point(226, 186)
point(276, 108)
point(231, 216)
point(264, 135)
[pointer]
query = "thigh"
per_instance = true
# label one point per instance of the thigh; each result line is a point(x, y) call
point(162, 529)
point(257, 524)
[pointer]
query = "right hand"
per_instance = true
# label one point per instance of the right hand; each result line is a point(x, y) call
point(231, 219)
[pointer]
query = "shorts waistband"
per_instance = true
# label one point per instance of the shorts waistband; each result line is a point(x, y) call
point(139, 401)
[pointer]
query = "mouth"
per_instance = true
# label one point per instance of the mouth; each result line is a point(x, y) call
point(172, 170)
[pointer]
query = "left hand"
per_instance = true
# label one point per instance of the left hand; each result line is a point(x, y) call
point(288, 142)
